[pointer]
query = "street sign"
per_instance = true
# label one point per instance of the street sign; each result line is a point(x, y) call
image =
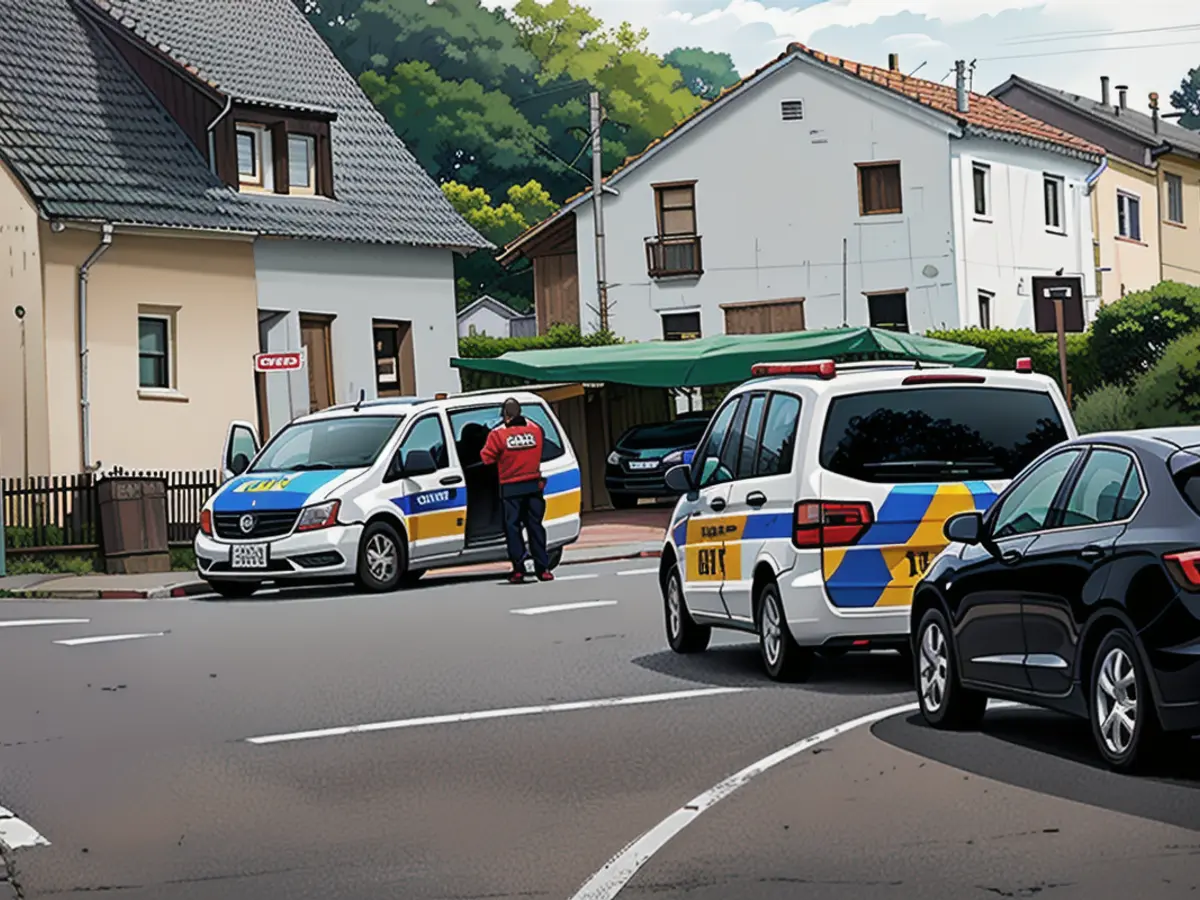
point(290, 361)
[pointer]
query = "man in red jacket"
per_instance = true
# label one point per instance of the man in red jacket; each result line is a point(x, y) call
point(515, 448)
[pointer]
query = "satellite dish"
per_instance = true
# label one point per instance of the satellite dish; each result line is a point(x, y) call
point(930, 271)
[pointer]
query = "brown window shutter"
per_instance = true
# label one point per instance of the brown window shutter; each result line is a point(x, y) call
point(279, 150)
point(324, 167)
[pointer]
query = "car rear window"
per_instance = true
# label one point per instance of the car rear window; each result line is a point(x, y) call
point(938, 434)
point(664, 436)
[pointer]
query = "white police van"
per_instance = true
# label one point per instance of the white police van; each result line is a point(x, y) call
point(378, 491)
point(817, 496)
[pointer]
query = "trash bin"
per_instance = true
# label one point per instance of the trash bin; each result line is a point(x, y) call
point(133, 525)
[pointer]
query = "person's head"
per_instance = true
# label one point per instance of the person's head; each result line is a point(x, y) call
point(511, 409)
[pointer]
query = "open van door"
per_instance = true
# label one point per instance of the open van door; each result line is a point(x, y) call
point(241, 446)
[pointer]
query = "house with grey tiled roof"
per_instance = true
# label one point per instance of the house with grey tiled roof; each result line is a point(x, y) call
point(185, 184)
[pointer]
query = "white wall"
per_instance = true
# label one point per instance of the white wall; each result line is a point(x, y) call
point(775, 200)
point(486, 321)
point(356, 283)
point(1002, 252)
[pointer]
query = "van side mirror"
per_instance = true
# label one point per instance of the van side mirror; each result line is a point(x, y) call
point(417, 462)
point(965, 528)
point(239, 464)
point(679, 479)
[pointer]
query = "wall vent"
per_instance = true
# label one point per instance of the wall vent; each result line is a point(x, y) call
point(792, 110)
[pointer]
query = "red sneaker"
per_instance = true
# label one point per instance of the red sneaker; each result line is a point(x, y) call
point(545, 576)
point(516, 578)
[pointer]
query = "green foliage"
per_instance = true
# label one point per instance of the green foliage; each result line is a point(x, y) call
point(704, 73)
point(485, 347)
point(1004, 347)
point(52, 564)
point(527, 204)
point(1107, 408)
point(1130, 335)
point(1169, 394)
point(1187, 100)
point(183, 559)
point(20, 537)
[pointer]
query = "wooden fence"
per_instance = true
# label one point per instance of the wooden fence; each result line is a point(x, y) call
point(59, 513)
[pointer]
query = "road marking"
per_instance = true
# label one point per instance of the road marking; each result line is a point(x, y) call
point(618, 871)
point(653, 571)
point(572, 577)
point(108, 638)
point(561, 607)
point(513, 712)
point(14, 833)
point(23, 623)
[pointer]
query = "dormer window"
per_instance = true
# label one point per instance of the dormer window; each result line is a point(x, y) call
point(269, 151)
point(302, 164)
point(253, 156)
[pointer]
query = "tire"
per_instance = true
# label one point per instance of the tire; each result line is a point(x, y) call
point(1118, 681)
point(382, 559)
point(623, 501)
point(782, 657)
point(683, 634)
point(556, 556)
point(235, 590)
point(945, 703)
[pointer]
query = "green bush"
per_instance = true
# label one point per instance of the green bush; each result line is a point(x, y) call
point(1108, 408)
point(1169, 394)
point(183, 559)
point(52, 563)
point(1005, 346)
point(482, 346)
point(1130, 335)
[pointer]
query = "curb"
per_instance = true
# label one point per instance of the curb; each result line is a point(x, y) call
point(188, 589)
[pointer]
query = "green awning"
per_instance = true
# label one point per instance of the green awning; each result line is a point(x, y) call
point(722, 359)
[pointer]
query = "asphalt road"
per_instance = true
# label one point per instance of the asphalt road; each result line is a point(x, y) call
point(213, 758)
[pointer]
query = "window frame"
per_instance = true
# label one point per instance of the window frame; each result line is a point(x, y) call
point(168, 354)
point(1060, 195)
point(663, 314)
point(874, 295)
point(1065, 486)
point(984, 300)
point(1129, 200)
point(444, 461)
point(986, 170)
point(257, 133)
point(1169, 179)
point(772, 396)
point(310, 141)
point(660, 209)
point(755, 439)
point(1076, 479)
point(862, 169)
point(701, 446)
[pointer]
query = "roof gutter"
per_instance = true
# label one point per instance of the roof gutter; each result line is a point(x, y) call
point(212, 140)
point(85, 421)
point(1091, 180)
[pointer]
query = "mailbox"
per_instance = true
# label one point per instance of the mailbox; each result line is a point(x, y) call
point(133, 525)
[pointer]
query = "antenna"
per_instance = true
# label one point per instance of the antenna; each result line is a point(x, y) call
point(362, 395)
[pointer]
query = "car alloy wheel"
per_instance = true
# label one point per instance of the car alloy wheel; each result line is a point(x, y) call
point(944, 702)
point(1117, 701)
point(1124, 720)
point(772, 630)
point(782, 657)
point(935, 664)
point(382, 557)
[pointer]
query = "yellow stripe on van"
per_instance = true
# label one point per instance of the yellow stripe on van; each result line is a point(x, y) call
point(448, 523)
point(561, 506)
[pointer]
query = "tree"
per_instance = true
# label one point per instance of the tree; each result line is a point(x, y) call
point(1187, 100)
point(704, 73)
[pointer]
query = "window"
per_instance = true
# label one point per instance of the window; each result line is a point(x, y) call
point(154, 352)
point(792, 110)
point(1097, 494)
point(1052, 189)
point(328, 444)
point(676, 248)
point(1174, 199)
point(1027, 508)
point(985, 309)
point(676, 206)
point(251, 155)
point(879, 188)
point(889, 311)
point(302, 164)
point(1129, 216)
point(779, 436)
point(934, 434)
point(981, 177)
point(427, 434)
point(681, 326)
point(708, 459)
point(749, 436)
point(477, 421)
point(764, 316)
point(395, 364)
point(241, 443)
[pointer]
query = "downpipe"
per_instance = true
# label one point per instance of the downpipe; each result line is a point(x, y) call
point(85, 410)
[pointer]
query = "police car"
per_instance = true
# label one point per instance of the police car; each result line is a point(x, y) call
point(378, 492)
point(815, 500)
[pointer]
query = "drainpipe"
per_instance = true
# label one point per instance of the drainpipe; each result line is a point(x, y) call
point(85, 429)
point(212, 140)
point(1091, 180)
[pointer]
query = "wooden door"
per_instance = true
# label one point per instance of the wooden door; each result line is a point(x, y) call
point(315, 336)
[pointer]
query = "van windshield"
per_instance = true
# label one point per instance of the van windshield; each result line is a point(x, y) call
point(350, 442)
point(938, 434)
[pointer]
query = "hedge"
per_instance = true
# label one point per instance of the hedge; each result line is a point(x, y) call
point(1004, 347)
point(482, 346)
point(1131, 334)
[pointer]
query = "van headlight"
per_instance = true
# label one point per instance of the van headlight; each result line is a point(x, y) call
point(323, 515)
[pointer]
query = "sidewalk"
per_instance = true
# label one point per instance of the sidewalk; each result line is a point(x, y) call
point(606, 536)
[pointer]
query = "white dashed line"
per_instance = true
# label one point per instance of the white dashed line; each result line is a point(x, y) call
point(107, 639)
point(457, 718)
point(15, 833)
point(561, 607)
point(558, 578)
point(25, 623)
point(653, 571)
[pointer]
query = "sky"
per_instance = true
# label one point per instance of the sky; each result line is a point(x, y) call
point(1148, 45)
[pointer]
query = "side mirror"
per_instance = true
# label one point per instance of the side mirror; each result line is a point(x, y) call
point(239, 464)
point(417, 462)
point(965, 528)
point(679, 479)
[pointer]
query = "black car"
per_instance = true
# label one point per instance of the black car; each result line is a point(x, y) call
point(638, 464)
point(1078, 590)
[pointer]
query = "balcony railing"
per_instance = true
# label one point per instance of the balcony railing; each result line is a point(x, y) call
point(673, 255)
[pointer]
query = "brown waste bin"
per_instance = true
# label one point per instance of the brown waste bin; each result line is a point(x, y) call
point(133, 525)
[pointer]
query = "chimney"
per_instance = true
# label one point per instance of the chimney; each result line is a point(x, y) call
point(960, 83)
point(1154, 109)
point(1105, 94)
point(1122, 91)
point(894, 62)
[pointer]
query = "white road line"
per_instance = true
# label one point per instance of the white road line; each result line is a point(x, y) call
point(513, 712)
point(107, 638)
point(561, 607)
point(14, 833)
point(23, 623)
point(571, 577)
point(619, 871)
point(653, 571)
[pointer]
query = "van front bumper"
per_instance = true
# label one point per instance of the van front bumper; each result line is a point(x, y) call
point(327, 553)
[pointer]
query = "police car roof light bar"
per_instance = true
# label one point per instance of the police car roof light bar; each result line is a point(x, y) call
point(824, 368)
point(1024, 364)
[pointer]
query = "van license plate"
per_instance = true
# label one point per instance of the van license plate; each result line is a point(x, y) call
point(248, 556)
point(644, 464)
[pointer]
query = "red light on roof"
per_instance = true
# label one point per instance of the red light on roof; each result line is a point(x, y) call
point(1025, 364)
point(823, 369)
point(944, 379)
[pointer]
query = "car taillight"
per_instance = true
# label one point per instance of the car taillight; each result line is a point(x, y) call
point(1185, 568)
point(831, 523)
point(206, 522)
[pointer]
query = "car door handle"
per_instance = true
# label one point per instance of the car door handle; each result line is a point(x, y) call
point(716, 504)
point(1091, 551)
point(1011, 556)
point(452, 479)
point(756, 499)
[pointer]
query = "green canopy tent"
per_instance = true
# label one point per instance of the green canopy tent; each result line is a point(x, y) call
point(720, 360)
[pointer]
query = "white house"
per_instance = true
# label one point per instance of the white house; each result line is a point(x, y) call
point(489, 316)
point(820, 192)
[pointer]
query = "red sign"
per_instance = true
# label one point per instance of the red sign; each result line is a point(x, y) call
point(292, 361)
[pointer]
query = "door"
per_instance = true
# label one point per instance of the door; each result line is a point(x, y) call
point(241, 446)
point(989, 588)
point(395, 368)
point(707, 552)
point(1067, 567)
point(315, 336)
point(434, 505)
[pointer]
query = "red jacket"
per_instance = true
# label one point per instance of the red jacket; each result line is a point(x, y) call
point(516, 451)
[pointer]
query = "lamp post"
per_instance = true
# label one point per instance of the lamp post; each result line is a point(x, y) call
point(1059, 296)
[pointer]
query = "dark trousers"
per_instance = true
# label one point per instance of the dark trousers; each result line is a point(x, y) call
point(526, 510)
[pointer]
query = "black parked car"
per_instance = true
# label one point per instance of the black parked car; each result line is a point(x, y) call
point(1078, 591)
point(639, 461)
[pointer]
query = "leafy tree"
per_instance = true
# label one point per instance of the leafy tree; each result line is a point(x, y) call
point(704, 73)
point(1169, 394)
point(1187, 100)
point(1130, 334)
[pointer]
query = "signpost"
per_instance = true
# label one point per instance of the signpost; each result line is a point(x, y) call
point(1059, 296)
point(287, 361)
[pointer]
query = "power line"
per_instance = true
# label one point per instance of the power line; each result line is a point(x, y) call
point(1095, 33)
point(1089, 50)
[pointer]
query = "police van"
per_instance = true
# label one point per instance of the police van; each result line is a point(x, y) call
point(378, 491)
point(816, 499)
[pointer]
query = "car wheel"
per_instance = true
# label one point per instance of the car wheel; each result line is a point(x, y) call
point(555, 558)
point(683, 634)
point(783, 658)
point(382, 559)
point(623, 501)
point(235, 590)
point(1124, 723)
point(945, 703)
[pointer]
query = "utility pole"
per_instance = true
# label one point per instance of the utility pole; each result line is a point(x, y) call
point(597, 119)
